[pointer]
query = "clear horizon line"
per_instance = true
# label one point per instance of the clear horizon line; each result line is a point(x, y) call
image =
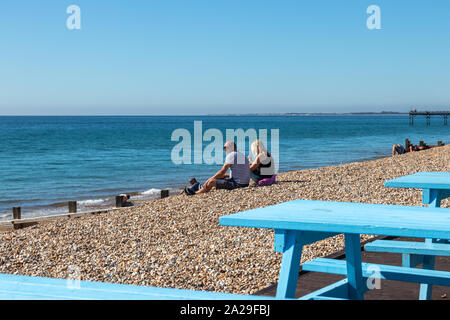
point(210, 114)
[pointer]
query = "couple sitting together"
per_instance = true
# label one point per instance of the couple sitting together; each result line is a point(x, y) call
point(260, 169)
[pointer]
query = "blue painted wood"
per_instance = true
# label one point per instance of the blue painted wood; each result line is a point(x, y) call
point(337, 290)
point(444, 194)
point(410, 247)
point(328, 298)
point(426, 289)
point(290, 265)
point(414, 254)
point(411, 260)
point(386, 272)
point(17, 287)
point(428, 263)
point(435, 187)
point(342, 217)
point(291, 244)
point(422, 180)
point(354, 269)
point(279, 241)
point(338, 217)
point(431, 197)
point(307, 238)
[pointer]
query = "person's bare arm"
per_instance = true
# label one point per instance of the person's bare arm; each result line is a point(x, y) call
point(221, 174)
point(255, 164)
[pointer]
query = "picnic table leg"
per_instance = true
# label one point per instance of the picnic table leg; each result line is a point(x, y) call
point(433, 198)
point(426, 290)
point(290, 265)
point(354, 267)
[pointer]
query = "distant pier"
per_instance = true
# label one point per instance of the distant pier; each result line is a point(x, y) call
point(428, 114)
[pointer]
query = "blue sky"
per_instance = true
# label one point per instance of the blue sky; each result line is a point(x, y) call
point(214, 56)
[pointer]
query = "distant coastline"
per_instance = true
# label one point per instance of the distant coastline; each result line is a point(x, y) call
point(267, 114)
point(314, 114)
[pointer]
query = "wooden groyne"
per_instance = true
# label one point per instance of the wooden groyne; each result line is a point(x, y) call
point(428, 115)
point(422, 144)
point(17, 222)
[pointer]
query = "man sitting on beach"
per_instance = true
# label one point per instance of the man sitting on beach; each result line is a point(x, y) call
point(240, 171)
point(399, 149)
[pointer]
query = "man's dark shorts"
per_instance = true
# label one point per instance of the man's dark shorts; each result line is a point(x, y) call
point(400, 149)
point(228, 184)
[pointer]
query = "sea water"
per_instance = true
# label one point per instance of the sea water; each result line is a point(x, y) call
point(47, 161)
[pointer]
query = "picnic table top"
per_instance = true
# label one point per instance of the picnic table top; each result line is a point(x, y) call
point(344, 217)
point(19, 287)
point(422, 180)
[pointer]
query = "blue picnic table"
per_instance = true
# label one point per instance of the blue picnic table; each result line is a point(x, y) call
point(301, 222)
point(435, 188)
point(435, 185)
point(19, 287)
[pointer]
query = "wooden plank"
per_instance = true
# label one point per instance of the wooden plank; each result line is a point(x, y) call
point(14, 287)
point(354, 269)
point(45, 219)
point(72, 206)
point(411, 260)
point(428, 263)
point(337, 290)
point(290, 265)
point(418, 248)
point(421, 180)
point(386, 272)
point(164, 193)
point(328, 298)
point(279, 240)
point(307, 238)
point(17, 213)
point(431, 197)
point(119, 201)
point(342, 217)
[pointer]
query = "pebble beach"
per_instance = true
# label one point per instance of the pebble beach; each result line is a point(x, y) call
point(177, 242)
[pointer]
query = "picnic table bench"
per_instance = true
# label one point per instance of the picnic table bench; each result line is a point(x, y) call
point(301, 222)
point(18, 287)
point(435, 187)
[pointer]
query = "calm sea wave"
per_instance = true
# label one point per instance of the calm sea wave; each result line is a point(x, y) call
point(47, 161)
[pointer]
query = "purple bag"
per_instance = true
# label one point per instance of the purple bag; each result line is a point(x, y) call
point(268, 181)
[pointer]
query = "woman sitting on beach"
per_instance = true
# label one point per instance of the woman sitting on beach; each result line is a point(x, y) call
point(263, 166)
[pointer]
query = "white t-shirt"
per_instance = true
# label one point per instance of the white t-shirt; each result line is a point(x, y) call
point(240, 167)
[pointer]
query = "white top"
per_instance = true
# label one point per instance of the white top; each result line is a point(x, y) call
point(240, 167)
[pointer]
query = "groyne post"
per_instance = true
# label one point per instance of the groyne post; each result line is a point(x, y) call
point(72, 207)
point(119, 201)
point(164, 193)
point(407, 143)
point(17, 214)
